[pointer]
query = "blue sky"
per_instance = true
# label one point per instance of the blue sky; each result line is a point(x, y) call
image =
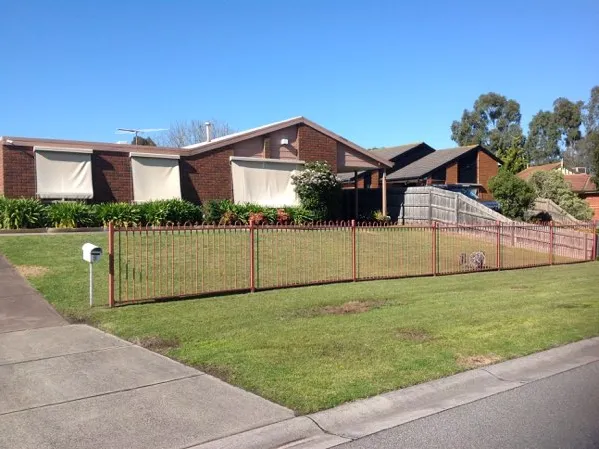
point(379, 73)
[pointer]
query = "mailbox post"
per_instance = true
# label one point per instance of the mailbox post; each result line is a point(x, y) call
point(91, 254)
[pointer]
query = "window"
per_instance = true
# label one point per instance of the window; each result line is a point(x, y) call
point(63, 173)
point(155, 177)
point(264, 181)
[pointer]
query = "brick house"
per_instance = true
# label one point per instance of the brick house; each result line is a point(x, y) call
point(99, 172)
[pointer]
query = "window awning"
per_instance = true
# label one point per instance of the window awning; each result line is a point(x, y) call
point(264, 181)
point(155, 177)
point(63, 173)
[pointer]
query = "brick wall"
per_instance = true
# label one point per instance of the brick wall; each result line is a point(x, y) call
point(592, 200)
point(451, 174)
point(207, 176)
point(487, 168)
point(111, 175)
point(18, 171)
point(315, 146)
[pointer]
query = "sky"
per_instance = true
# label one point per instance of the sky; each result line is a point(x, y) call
point(379, 73)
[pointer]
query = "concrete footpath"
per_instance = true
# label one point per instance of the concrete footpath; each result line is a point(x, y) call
point(73, 386)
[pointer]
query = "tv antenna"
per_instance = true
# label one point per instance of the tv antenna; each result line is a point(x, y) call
point(137, 132)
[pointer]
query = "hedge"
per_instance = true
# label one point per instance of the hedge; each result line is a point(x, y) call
point(31, 213)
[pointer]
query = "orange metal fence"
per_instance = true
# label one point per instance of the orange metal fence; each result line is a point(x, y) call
point(193, 260)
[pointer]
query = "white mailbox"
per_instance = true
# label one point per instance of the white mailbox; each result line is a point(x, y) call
point(91, 252)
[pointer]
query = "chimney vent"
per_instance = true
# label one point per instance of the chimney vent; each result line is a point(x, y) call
point(208, 125)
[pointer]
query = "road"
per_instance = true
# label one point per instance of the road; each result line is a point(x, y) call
point(561, 411)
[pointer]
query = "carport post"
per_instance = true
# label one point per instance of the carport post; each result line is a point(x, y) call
point(384, 192)
point(356, 195)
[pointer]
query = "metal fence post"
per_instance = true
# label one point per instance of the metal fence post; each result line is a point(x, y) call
point(594, 251)
point(353, 251)
point(498, 225)
point(434, 249)
point(551, 243)
point(111, 264)
point(252, 258)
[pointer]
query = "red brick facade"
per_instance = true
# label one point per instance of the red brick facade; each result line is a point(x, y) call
point(207, 176)
point(592, 200)
point(18, 172)
point(204, 176)
point(111, 176)
point(315, 146)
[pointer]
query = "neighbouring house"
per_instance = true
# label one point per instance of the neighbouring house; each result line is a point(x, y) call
point(400, 156)
point(472, 166)
point(581, 183)
point(253, 165)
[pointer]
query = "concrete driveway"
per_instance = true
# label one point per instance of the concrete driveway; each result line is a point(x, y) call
point(73, 386)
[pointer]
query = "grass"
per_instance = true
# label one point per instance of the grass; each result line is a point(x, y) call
point(315, 347)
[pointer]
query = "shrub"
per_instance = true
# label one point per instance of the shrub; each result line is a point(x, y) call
point(213, 210)
point(553, 186)
point(318, 189)
point(379, 217)
point(513, 194)
point(299, 215)
point(159, 213)
point(122, 214)
point(72, 214)
point(23, 213)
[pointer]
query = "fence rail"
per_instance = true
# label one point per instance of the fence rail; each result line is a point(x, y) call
point(151, 263)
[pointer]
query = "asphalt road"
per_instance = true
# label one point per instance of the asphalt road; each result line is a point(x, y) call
point(561, 411)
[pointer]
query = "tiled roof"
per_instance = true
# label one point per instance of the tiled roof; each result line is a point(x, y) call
point(527, 172)
point(429, 163)
point(393, 152)
point(581, 183)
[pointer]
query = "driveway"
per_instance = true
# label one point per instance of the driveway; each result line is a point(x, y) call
point(73, 386)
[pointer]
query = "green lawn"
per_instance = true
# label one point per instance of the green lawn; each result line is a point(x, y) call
point(312, 348)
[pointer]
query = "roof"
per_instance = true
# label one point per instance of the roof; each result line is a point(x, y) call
point(422, 167)
point(527, 172)
point(221, 142)
point(198, 148)
point(393, 152)
point(581, 183)
point(101, 146)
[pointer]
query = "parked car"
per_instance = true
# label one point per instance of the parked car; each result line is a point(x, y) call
point(471, 191)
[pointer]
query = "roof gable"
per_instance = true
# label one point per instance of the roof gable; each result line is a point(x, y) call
point(422, 167)
point(221, 142)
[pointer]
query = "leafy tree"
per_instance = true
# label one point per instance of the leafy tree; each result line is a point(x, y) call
point(591, 112)
point(553, 186)
point(318, 189)
point(551, 133)
point(542, 143)
point(513, 157)
point(513, 194)
point(592, 141)
point(146, 141)
point(493, 122)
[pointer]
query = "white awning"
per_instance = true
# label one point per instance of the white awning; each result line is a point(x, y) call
point(63, 173)
point(155, 177)
point(264, 181)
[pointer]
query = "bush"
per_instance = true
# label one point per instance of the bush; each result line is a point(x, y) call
point(513, 194)
point(159, 213)
point(553, 186)
point(121, 214)
point(22, 213)
point(72, 215)
point(319, 190)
